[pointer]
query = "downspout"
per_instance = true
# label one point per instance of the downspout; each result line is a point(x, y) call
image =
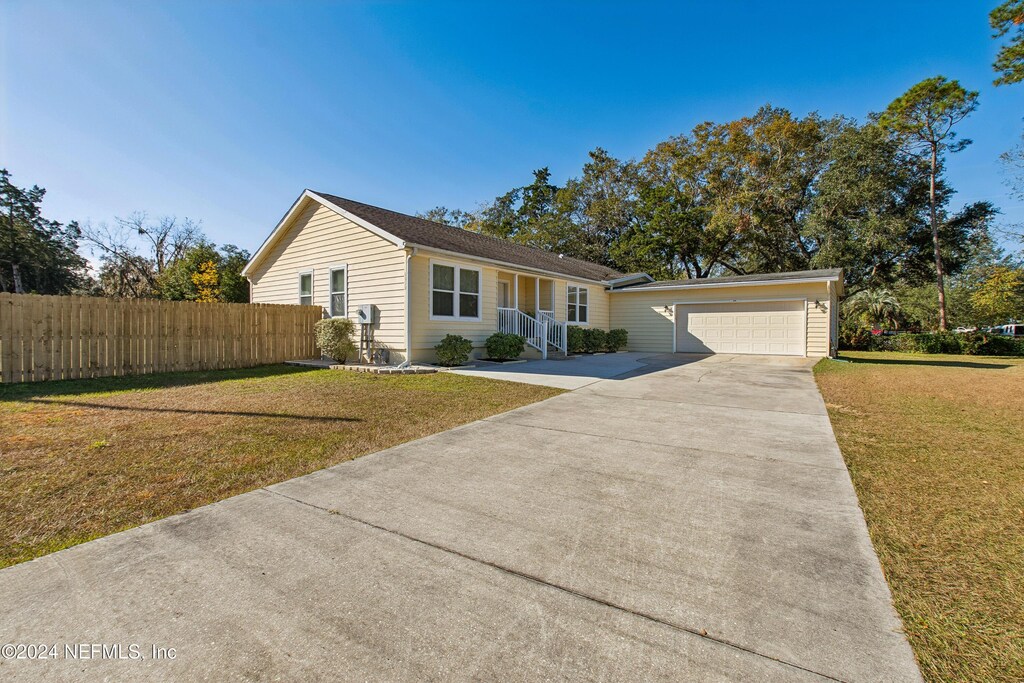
point(409, 253)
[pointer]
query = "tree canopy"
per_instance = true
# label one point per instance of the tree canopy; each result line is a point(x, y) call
point(1008, 20)
point(36, 254)
point(924, 118)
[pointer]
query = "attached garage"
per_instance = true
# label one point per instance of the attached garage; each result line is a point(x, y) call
point(762, 327)
point(792, 314)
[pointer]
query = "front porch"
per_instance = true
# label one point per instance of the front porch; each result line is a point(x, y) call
point(526, 306)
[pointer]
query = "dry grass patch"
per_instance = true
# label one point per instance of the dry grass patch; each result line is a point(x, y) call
point(86, 458)
point(935, 446)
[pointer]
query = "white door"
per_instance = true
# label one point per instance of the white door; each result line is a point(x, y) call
point(762, 327)
point(503, 298)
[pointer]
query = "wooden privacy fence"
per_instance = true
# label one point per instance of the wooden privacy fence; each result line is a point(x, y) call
point(68, 337)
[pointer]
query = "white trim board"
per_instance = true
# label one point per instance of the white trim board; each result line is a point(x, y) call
point(456, 292)
point(330, 289)
point(711, 285)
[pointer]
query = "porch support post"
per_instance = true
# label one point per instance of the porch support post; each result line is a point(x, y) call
point(516, 284)
point(536, 297)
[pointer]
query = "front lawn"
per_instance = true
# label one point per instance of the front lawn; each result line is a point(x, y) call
point(935, 446)
point(82, 459)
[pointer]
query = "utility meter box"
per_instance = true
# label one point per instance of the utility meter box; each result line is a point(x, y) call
point(365, 314)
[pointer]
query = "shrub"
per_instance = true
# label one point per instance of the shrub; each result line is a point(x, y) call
point(334, 338)
point(594, 339)
point(574, 339)
point(616, 339)
point(970, 344)
point(501, 346)
point(855, 338)
point(998, 345)
point(453, 350)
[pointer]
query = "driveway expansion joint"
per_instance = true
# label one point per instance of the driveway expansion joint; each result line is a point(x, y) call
point(705, 404)
point(663, 445)
point(700, 633)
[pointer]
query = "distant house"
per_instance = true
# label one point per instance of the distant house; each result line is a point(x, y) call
point(426, 280)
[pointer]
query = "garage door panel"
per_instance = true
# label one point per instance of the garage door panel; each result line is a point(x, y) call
point(762, 327)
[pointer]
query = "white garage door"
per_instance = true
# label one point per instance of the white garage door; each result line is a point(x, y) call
point(763, 327)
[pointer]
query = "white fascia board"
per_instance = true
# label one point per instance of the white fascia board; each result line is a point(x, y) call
point(247, 270)
point(629, 278)
point(362, 222)
point(713, 285)
point(286, 219)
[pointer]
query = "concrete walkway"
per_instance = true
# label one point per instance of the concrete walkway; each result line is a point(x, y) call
point(571, 373)
point(692, 520)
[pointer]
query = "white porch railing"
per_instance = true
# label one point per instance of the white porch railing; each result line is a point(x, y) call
point(535, 332)
point(557, 331)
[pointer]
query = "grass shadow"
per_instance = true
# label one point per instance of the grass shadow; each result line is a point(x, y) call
point(186, 411)
point(26, 391)
point(934, 363)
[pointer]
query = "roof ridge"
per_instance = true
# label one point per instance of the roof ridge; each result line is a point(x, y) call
point(501, 240)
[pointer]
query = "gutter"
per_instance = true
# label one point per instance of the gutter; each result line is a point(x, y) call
point(713, 285)
point(507, 264)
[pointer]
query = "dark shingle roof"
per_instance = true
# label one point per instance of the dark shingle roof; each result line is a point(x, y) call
point(830, 273)
point(424, 233)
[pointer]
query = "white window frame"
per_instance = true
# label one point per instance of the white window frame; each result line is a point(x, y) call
point(455, 294)
point(330, 290)
point(579, 288)
point(312, 286)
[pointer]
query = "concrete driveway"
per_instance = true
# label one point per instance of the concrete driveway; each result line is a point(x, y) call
point(690, 520)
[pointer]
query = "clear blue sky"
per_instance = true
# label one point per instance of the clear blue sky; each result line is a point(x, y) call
point(225, 111)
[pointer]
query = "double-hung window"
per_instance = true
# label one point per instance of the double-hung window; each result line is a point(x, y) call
point(338, 292)
point(306, 289)
point(578, 304)
point(454, 292)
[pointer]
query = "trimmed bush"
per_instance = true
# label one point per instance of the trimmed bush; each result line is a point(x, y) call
point(334, 338)
point(999, 345)
point(617, 339)
point(453, 350)
point(594, 340)
point(574, 339)
point(501, 346)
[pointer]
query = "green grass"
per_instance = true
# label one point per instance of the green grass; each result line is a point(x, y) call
point(82, 459)
point(935, 447)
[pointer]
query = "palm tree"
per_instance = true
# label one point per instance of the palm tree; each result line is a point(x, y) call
point(875, 307)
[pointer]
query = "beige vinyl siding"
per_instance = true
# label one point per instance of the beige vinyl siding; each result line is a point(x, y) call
point(426, 333)
point(320, 239)
point(649, 317)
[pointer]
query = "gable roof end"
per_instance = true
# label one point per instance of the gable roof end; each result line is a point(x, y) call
point(281, 228)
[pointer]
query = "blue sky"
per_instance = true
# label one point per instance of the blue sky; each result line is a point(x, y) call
point(224, 112)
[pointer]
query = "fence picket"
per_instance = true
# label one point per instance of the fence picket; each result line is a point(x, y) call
point(69, 337)
point(6, 338)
